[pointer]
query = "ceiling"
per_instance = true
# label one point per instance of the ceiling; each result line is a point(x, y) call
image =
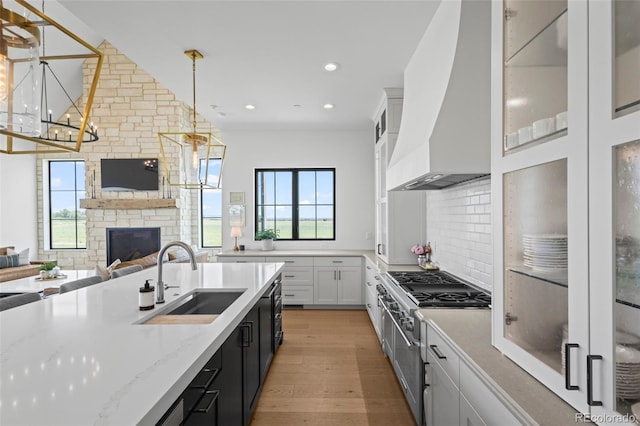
point(268, 53)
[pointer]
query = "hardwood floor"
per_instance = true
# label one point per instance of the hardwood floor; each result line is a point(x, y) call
point(330, 370)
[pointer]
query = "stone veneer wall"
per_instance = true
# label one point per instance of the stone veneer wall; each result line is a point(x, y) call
point(130, 107)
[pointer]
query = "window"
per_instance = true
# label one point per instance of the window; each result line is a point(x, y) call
point(211, 206)
point(67, 221)
point(299, 204)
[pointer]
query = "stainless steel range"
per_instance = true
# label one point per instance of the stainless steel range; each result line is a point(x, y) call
point(400, 295)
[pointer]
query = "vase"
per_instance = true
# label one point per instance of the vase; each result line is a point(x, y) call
point(267, 245)
point(422, 260)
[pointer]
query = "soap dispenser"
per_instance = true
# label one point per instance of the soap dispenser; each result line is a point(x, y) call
point(145, 297)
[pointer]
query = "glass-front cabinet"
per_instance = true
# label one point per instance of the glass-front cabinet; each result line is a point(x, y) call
point(535, 71)
point(566, 174)
point(614, 229)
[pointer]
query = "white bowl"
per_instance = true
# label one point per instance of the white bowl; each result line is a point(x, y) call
point(525, 134)
point(562, 120)
point(543, 127)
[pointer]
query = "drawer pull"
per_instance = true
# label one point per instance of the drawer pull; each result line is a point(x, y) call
point(289, 261)
point(206, 409)
point(436, 351)
point(289, 276)
point(289, 294)
point(337, 261)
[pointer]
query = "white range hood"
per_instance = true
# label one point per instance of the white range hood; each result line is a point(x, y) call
point(444, 135)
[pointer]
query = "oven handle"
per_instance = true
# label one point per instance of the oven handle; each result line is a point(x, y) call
point(408, 342)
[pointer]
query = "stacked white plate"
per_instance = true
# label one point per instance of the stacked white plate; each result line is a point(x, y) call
point(627, 372)
point(545, 252)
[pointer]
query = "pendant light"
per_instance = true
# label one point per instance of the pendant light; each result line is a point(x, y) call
point(197, 149)
point(24, 112)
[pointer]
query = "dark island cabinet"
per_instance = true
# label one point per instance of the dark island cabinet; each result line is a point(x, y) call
point(226, 391)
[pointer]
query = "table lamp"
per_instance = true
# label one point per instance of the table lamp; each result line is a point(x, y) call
point(236, 232)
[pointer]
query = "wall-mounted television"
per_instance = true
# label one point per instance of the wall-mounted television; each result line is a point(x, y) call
point(129, 174)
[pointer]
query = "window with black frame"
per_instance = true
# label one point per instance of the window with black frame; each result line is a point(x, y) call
point(211, 206)
point(298, 204)
point(67, 221)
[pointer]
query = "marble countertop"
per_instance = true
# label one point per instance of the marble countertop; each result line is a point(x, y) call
point(293, 253)
point(81, 358)
point(470, 330)
point(368, 254)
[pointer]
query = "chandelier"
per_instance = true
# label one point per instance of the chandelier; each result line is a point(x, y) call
point(200, 152)
point(24, 111)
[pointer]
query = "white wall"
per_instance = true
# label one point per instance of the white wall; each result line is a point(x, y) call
point(459, 229)
point(349, 152)
point(18, 202)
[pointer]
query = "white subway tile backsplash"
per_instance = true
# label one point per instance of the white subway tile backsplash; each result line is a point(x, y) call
point(459, 229)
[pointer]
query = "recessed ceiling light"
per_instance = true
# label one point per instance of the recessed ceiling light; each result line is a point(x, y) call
point(249, 106)
point(331, 66)
point(328, 106)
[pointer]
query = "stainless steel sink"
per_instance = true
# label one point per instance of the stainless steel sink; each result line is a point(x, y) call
point(204, 302)
point(197, 307)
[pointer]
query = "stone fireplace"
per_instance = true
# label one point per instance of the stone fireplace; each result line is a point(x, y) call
point(131, 243)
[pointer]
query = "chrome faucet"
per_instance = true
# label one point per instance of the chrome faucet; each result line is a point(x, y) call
point(160, 284)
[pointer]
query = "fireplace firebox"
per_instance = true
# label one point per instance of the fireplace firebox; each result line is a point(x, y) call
point(131, 243)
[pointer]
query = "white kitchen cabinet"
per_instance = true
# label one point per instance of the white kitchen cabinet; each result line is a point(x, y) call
point(443, 400)
point(566, 194)
point(240, 259)
point(372, 279)
point(400, 215)
point(338, 281)
point(297, 279)
point(468, 415)
point(457, 392)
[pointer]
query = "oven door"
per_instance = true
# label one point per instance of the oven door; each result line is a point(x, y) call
point(410, 371)
point(388, 329)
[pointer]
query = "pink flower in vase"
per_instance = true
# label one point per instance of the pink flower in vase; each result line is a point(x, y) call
point(417, 250)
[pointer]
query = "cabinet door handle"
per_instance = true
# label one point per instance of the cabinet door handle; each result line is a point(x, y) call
point(244, 340)
point(368, 284)
point(436, 351)
point(590, 400)
point(250, 331)
point(339, 275)
point(335, 275)
point(278, 316)
point(379, 248)
point(368, 267)
point(404, 384)
point(567, 366)
point(369, 305)
point(208, 407)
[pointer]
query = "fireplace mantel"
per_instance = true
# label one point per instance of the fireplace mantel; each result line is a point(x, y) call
point(128, 204)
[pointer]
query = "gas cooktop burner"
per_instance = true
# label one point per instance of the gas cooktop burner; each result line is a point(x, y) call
point(439, 289)
point(427, 277)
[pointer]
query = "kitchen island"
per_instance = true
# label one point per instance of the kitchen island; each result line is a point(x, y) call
point(85, 357)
